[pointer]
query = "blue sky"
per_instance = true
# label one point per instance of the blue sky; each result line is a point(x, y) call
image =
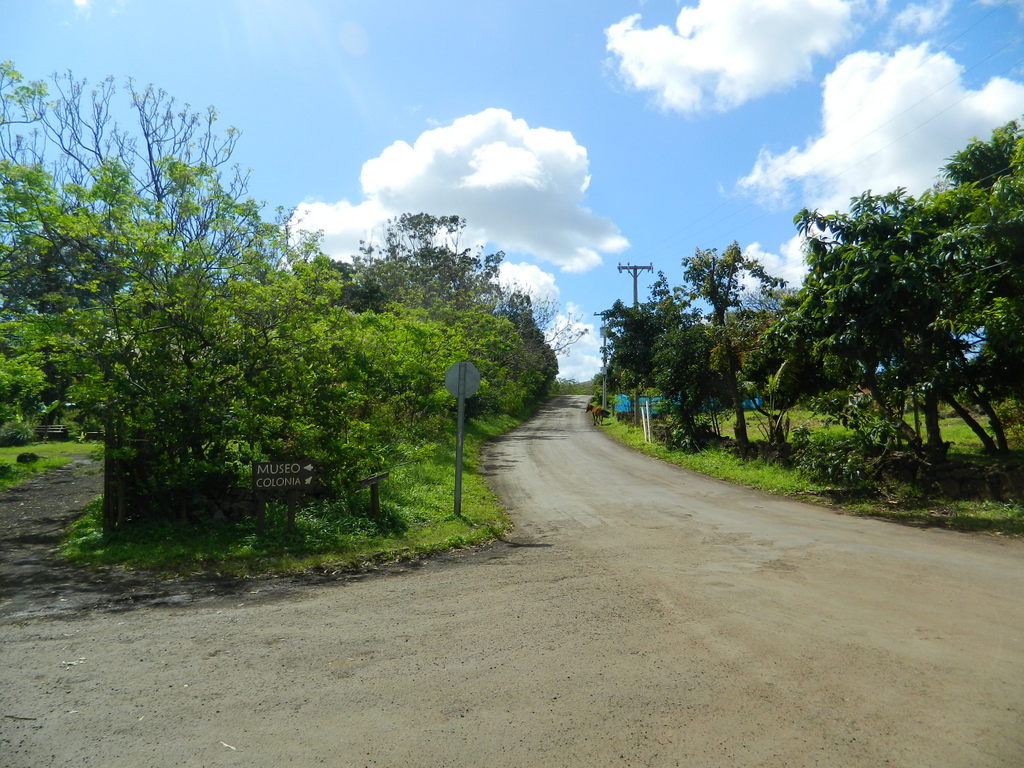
point(573, 134)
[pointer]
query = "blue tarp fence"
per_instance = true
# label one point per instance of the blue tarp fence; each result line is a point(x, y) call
point(622, 404)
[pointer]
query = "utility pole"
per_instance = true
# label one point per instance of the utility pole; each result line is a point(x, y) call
point(604, 360)
point(635, 269)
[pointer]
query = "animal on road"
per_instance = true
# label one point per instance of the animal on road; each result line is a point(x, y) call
point(597, 412)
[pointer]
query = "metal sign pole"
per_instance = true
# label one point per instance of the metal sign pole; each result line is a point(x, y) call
point(458, 440)
point(462, 380)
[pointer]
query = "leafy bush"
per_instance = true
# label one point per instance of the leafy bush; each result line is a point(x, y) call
point(692, 434)
point(15, 433)
point(830, 457)
point(1011, 413)
point(855, 411)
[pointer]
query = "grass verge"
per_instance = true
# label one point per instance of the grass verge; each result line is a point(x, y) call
point(51, 456)
point(417, 519)
point(902, 505)
point(964, 444)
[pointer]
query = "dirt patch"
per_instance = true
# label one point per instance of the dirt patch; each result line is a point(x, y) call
point(35, 581)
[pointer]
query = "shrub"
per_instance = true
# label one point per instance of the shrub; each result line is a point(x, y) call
point(15, 433)
point(830, 457)
point(686, 433)
point(1011, 413)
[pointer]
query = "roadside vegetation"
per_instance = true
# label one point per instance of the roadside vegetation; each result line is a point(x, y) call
point(892, 380)
point(416, 519)
point(145, 297)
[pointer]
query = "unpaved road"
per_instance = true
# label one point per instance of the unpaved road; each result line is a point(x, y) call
point(638, 615)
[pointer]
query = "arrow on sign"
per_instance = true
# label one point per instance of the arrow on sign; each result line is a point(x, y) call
point(278, 476)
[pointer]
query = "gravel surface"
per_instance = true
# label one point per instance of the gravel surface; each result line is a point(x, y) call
point(638, 615)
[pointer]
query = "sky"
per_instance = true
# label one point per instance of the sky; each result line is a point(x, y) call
point(574, 135)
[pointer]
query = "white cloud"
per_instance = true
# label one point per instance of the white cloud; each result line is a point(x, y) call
point(788, 263)
point(530, 278)
point(518, 187)
point(723, 53)
point(888, 120)
point(342, 224)
point(923, 18)
point(582, 361)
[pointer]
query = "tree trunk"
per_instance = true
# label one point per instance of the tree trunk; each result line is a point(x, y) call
point(120, 491)
point(987, 442)
point(902, 427)
point(995, 422)
point(934, 447)
point(113, 474)
point(737, 401)
point(109, 509)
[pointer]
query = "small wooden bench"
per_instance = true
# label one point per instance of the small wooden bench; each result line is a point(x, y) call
point(52, 432)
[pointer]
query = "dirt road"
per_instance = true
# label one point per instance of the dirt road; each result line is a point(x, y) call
point(638, 615)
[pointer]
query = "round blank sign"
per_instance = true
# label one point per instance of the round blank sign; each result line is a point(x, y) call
point(469, 376)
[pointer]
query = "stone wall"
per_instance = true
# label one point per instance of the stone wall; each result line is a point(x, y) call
point(956, 480)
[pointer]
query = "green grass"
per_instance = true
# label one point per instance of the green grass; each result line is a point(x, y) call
point(904, 505)
point(721, 464)
point(965, 444)
point(997, 517)
point(51, 456)
point(417, 518)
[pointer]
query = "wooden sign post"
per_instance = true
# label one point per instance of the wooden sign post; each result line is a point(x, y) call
point(373, 482)
point(270, 478)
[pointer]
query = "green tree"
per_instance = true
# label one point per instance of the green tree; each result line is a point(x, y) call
point(984, 163)
point(631, 334)
point(421, 262)
point(537, 363)
point(987, 295)
point(680, 359)
point(720, 280)
point(21, 382)
point(895, 303)
point(777, 370)
point(422, 265)
point(867, 305)
point(128, 261)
